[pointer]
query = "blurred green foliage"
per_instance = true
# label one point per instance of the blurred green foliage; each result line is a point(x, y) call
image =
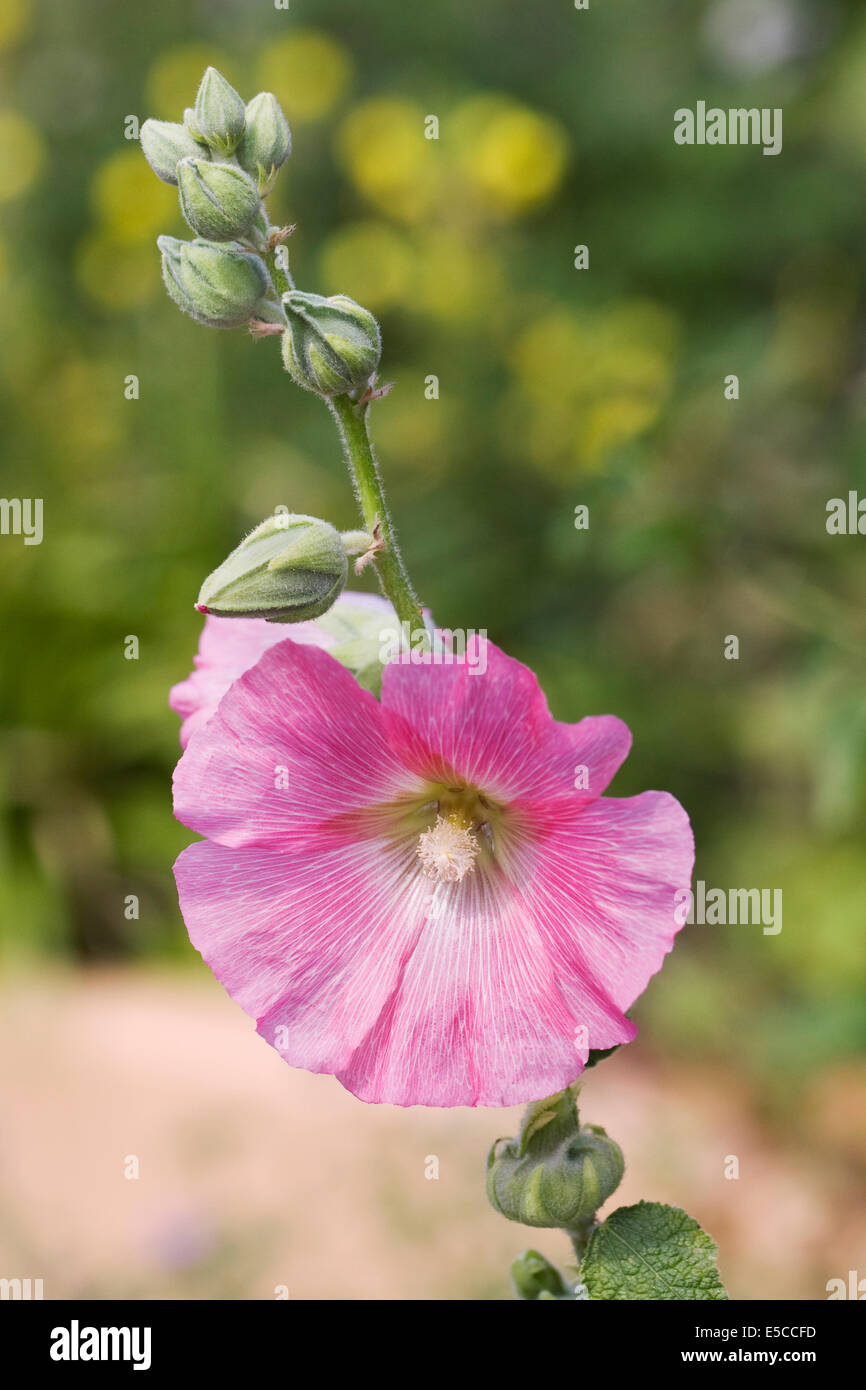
point(558, 387)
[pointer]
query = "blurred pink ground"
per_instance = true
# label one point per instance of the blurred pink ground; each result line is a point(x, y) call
point(253, 1175)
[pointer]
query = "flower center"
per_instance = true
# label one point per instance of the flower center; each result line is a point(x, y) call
point(448, 850)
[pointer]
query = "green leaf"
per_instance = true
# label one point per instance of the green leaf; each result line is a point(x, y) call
point(598, 1054)
point(651, 1251)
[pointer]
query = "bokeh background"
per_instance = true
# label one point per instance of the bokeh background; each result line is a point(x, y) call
point(558, 387)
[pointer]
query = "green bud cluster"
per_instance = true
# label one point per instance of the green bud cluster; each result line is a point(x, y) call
point(289, 569)
point(222, 159)
point(556, 1172)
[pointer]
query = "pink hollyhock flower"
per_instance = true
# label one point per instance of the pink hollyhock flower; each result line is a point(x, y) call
point(412, 895)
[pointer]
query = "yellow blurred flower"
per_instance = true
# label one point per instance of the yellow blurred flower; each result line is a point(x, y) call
point(381, 146)
point(639, 321)
point(307, 71)
point(174, 78)
point(371, 262)
point(117, 275)
point(22, 155)
point(628, 346)
point(614, 421)
point(457, 281)
point(132, 205)
point(14, 18)
point(513, 156)
point(545, 436)
point(592, 381)
point(552, 355)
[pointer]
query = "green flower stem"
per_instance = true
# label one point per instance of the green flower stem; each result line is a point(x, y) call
point(283, 281)
point(580, 1235)
point(352, 423)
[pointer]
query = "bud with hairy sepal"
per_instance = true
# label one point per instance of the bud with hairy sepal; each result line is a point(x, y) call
point(556, 1172)
point(218, 201)
point(218, 114)
point(266, 142)
point(218, 283)
point(165, 144)
point(190, 125)
point(332, 346)
point(533, 1277)
point(289, 569)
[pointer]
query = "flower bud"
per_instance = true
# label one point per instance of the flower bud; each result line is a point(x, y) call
point(190, 125)
point(218, 114)
point(555, 1173)
point(217, 283)
point(289, 569)
point(165, 144)
point(332, 345)
point(266, 142)
point(534, 1277)
point(218, 201)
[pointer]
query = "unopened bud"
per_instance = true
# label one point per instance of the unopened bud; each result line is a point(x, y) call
point(332, 345)
point(289, 569)
point(190, 125)
point(218, 201)
point(555, 1173)
point(534, 1277)
point(266, 142)
point(218, 114)
point(217, 283)
point(165, 144)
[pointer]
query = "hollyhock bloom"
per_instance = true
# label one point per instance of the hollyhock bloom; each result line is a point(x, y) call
point(412, 894)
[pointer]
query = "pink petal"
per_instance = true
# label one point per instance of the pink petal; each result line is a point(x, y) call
point(310, 945)
point(486, 992)
point(479, 1018)
point(601, 887)
point(486, 720)
point(230, 646)
point(338, 958)
point(227, 648)
point(294, 744)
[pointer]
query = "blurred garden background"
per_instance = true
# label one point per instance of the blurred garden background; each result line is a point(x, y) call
point(558, 388)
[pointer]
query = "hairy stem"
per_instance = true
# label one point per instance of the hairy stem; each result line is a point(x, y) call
point(580, 1235)
point(352, 423)
point(281, 278)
